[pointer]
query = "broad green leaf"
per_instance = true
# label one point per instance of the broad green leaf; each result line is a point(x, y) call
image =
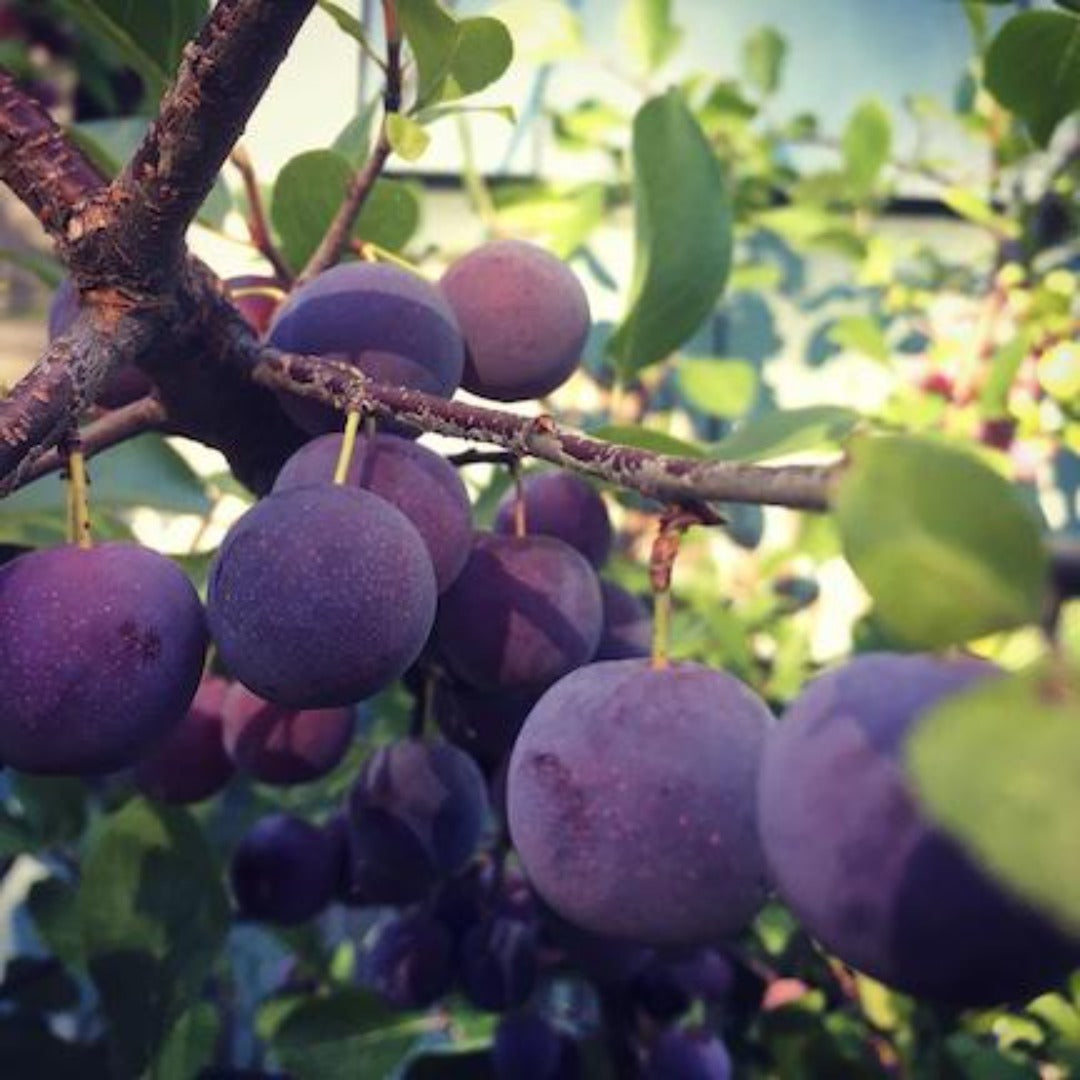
point(861, 333)
point(145, 471)
point(787, 431)
point(682, 234)
point(1033, 69)
point(763, 59)
point(867, 143)
point(974, 208)
point(154, 915)
point(944, 544)
point(351, 25)
point(644, 439)
point(406, 136)
point(1004, 365)
point(53, 904)
point(1017, 810)
point(453, 57)
point(722, 388)
point(353, 142)
point(309, 190)
point(190, 1044)
point(543, 31)
point(347, 1034)
point(648, 31)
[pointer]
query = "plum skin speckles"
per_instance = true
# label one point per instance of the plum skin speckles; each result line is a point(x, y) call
point(101, 652)
point(632, 795)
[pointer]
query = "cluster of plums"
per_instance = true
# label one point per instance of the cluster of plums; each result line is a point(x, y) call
point(652, 808)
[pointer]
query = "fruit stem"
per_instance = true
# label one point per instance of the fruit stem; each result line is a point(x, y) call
point(661, 638)
point(348, 444)
point(78, 502)
point(521, 525)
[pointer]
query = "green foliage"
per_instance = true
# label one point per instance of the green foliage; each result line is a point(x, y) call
point(997, 767)
point(913, 517)
point(781, 432)
point(764, 52)
point(1033, 68)
point(867, 143)
point(649, 31)
point(682, 234)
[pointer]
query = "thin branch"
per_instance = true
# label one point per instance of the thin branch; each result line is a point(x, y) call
point(110, 429)
point(222, 76)
point(659, 476)
point(258, 223)
point(44, 170)
point(336, 239)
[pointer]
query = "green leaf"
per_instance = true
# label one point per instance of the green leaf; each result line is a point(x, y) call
point(309, 190)
point(406, 136)
point(543, 31)
point(351, 25)
point(861, 333)
point(763, 59)
point(644, 439)
point(722, 388)
point(154, 915)
point(866, 144)
point(453, 57)
point(974, 208)
point(649, 32)
point(347, 1034)
point(54, 907)
point(190, 1044)
point(558, 216)
point(1017, 811)
point(1033, 69)
point(353, 142)
point(944, 544)
point(1004, 366)
point(682, 234)
point(787, 431)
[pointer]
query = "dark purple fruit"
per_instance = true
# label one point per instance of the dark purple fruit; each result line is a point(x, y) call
point(562, 505)
point(122, 386)
point(101, 651)
point(284, 870)
point(525, 318)
point(483, 725)
point(526, 1047)
point(497, 964)
point(388, 322)
point(190, 764)
point(422, 485)
point(417, 812)
point(632, 801)
point(321, 596)
point(279, 745)
point(628, 626)
point(410, 963)
point(861, 867)
point(522, 613)
point(680, 1054)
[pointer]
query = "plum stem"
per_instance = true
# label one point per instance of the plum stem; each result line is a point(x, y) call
point(661, 638)
point(78, 500)
point(521, 524)
point(348, 444)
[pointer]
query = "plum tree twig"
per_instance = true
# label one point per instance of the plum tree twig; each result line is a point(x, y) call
point(258, 225)
point(336, 238)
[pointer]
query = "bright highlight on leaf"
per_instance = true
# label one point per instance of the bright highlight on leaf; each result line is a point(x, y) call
point(942, 542)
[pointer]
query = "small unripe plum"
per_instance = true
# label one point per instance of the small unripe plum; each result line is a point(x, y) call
point(122, 386)
point(632, 801)
point(321, 596)
point(861, 867)
point(190, 764)
point(425, 487)
point(279, 745)
point(388, 322)
point(627, 625)
point(522, 613)
point(101, 651)
point(680, 1054)
point(284, 870)
point(417, 812)
point(410, 963)
point(525, 318)
point(562, 505)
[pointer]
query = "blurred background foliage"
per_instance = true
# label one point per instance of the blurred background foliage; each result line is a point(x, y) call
point(795, 222)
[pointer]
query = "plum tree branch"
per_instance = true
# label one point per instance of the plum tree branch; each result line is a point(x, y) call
point(659, 476)
point(44, 170)
point(336, 238)
point(137, 229)
point(258, 224)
